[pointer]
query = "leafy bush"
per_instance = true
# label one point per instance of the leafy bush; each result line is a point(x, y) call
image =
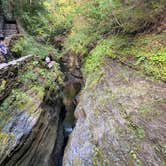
point(27, 45)
point(98, 19)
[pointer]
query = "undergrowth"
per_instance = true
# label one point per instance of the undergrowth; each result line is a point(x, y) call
point(33, 82)
point(28, 45)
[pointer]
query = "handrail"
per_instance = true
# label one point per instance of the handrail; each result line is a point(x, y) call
point(14, 62)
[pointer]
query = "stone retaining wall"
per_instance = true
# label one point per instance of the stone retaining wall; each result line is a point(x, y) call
point(8, 75)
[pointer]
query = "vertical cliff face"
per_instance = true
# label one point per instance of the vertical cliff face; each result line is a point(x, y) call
point(119, 116)
point(30, 112)
point(31, 137)
point(37, 133)
point(120, 120)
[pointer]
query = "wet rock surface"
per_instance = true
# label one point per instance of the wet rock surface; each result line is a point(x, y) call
point(71, 67)
point(39, 135)
point(31, 137)
point(120, 120)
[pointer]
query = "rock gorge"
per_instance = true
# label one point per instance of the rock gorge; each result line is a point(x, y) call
point(103, 100)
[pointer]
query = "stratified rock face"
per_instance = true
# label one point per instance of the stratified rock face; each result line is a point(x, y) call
point(120, 120)
point(29, 138)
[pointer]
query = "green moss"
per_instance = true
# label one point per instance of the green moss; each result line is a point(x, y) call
point(3, 137)
point(135, 158)
point(5, 111)
point(32, 80)
point(149, 52)
point(138, 130)
point(27, 45)
point(2, 86)
point(39, 91)
point(163, 163)
point(104, 48)
point(144, 110)
point(98, 157)
point(6, 142)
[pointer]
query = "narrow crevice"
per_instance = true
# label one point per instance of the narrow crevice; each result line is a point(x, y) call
point(65, 127)
point(72, 87)
point(56, 157)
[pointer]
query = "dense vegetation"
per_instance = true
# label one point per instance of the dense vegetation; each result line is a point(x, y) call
point(128, 30)
point(132, 32)
point(122, 29)
point(33, 80)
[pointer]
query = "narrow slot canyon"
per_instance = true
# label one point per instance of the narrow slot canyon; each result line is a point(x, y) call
point(82, 83)
point(67, 121)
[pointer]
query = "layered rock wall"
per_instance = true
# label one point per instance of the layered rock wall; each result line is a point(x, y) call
point(120, 120)
point(31, 138)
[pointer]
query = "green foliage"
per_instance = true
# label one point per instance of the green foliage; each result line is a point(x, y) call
point(133, 154)
point(27, 45)
point(38, 75)
point(113, 23)
point(102, 18)
point(33, 15)
point(37, 24)
point(139, 131)
point(104, 48)
point(5, 111)
point(95, 58)
point(29, 76)
point(146, 52)
point(21, 99)
point(33, 81)
point(150, 52)
point(2, 85)
point(96, 28)
point(62, 15)
point(98, 157)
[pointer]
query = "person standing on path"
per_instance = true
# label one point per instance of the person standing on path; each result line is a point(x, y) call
point(3, 49)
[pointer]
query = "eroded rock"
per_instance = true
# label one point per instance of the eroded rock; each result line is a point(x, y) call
point(31, 137)
point(120, 120)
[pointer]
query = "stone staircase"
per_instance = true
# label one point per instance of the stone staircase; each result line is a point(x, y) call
point(10, 29)
point(1, 23)
point(7, 28)
point(1, 20)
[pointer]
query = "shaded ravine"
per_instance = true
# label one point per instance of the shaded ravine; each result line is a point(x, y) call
point(55, 121)
point(45, 140)
point(35, 136)
point(120, 120)
point(72, 86)
point(41, 139)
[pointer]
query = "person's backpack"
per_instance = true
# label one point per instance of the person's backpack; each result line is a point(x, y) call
point(3, 49)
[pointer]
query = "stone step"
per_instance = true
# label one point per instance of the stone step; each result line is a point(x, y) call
point(10, 29)
point(10, 32)
point(10, 26)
